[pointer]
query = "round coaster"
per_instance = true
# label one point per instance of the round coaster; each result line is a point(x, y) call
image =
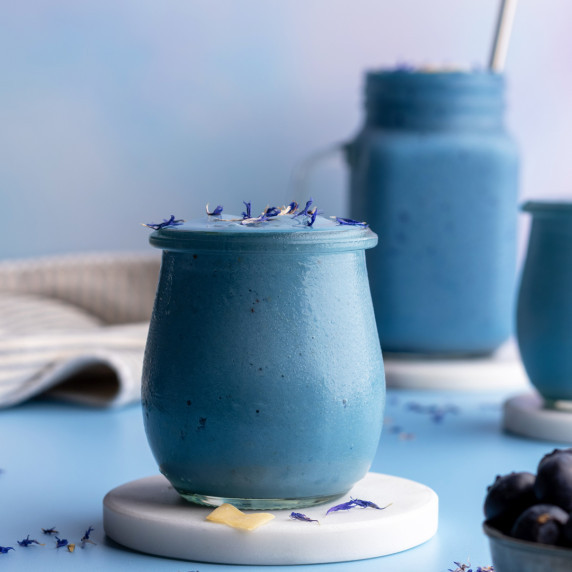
point(501, 370)
point(527, 415)
point(149, 516)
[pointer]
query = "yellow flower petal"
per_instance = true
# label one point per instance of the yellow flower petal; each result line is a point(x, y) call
point(231, 516)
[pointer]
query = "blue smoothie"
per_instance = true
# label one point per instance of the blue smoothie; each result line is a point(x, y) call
point(263, 376)
point(436, 175)
point(544, 309)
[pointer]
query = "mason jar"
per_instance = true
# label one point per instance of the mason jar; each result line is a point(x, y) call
point(435, 174)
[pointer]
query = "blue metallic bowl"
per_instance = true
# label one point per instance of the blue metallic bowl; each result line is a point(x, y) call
point(513, 555)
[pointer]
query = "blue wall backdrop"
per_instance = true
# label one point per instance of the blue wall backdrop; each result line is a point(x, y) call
point(114, 112)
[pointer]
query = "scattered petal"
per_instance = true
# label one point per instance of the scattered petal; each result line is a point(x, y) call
point(271, 212)
point(461, 567)
point(368, 504)
point(350, 222)
point(342, 506)
point(353, 503)
point(85, 538)
point(304, 211)
point(258, 219)
point(71, 547)
point(61, 542)
point(50, 530)
point(231, 516)
point(301, 516)
point(28, 541)
point(5, 549)
point(166, 222)
point(312, 216)
point(87, 533)
point(247, 212)
point(289, 209)
point(436, 412)
point(216, 212)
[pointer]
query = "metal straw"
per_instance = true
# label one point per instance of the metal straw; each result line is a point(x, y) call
point(502, 35)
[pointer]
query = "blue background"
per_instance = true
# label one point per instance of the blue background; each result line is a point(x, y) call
point(116, 113)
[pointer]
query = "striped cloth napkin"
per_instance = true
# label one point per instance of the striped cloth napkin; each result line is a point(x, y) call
point(75, 327)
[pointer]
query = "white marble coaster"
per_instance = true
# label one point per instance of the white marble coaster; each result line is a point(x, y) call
point(149, 516)
point(501, 370)
point(526, 415)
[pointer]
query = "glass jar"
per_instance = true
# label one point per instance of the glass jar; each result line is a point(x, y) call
point(436, 175)
point(263, 380)
point(544, 310)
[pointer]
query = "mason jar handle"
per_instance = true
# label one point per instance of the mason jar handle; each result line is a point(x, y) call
point(304, 168)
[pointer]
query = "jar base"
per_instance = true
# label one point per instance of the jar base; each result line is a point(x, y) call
point(418, 355)
point(258, 504)
point(558, 404)
point(529, 416)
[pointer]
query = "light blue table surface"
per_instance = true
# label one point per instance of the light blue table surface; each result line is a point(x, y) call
point(58, 461)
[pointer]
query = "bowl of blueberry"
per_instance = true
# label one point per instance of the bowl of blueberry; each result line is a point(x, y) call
point(528, 517)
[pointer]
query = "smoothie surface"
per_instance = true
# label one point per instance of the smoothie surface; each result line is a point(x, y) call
point(234, 223)
point(230, 232)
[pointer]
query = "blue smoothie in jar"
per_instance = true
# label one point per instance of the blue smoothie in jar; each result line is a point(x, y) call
point(436, 175)
point(544, 308)
point(263, 379)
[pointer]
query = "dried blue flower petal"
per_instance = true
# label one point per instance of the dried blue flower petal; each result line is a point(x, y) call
point(27, 541)
point(436, 412)
point(247, 213)
point(216, 212)
point(304, 211)
point(343, 506)
point(301, 516)
point(289, 209)
point(166, 222)
point(312, 216)
point(85, 538)
point(271, 211)
point(461, 567)
point(256, 220)
point(485, 569)
point(350, 222)
point(50, 530)
point(367, 504)
point(353, 503)
point(61, 542)
point(5, 549)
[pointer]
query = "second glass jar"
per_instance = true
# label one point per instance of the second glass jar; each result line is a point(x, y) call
point(436, 175)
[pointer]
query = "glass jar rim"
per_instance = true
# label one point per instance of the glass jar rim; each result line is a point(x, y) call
point(554, 207)
point(208, 235)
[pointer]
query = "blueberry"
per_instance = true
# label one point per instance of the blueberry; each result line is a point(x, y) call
point(507, 498)
point(566, 539)
point(553, 454)
point(540, 523)
point(554, 479)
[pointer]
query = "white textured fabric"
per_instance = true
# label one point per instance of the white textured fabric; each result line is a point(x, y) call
point(116, 288)
point(75, 327)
